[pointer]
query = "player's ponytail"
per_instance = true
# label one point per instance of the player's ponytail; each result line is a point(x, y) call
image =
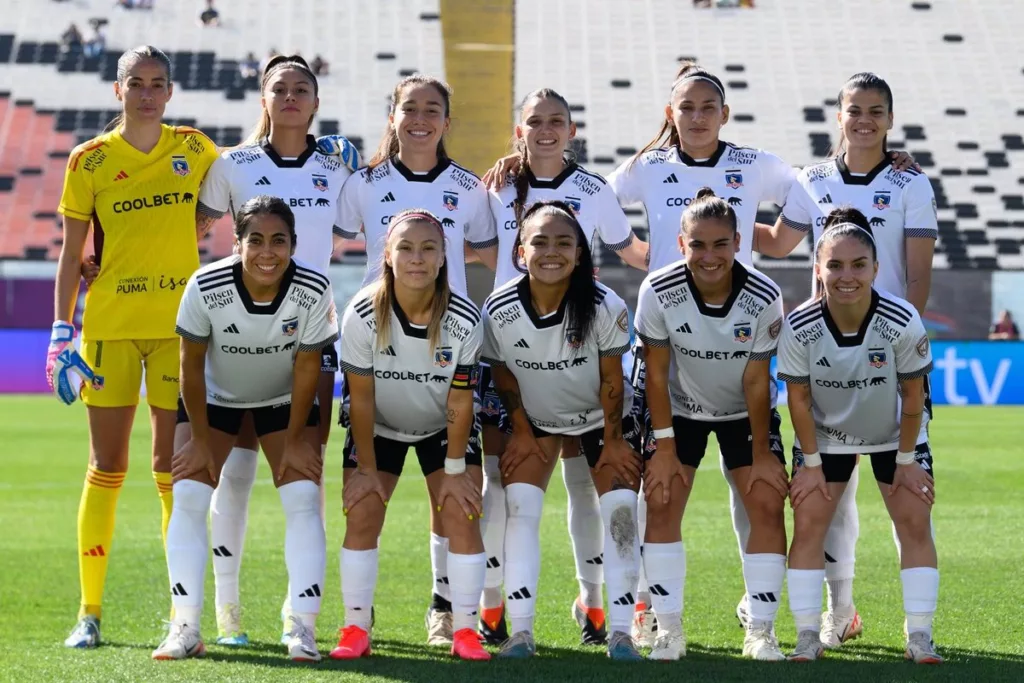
point(278, 63)
point(388, 146)
point(521, 179)
point(581, 309)
point(707, 206)
point(125, 62)
point(864, 80)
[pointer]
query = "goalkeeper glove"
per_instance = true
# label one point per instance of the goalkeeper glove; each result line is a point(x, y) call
point(63, 362)
point(339, 146)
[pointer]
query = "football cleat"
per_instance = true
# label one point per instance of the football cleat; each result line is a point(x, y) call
point(921, 649)
point(621, 648)
point(839, 626)
point(761, 644)
point(645, 626)
point(229, 627)
point(302, 643)
point(439, 627)
point(591, 622)
point(466, 645)
point(669, 646)
point(353, 643)
point(492, 627)
point(286, 613)
point(519, 646)
point(86, 633)
point(808, 647)
point(182, 641)
point(743, 611)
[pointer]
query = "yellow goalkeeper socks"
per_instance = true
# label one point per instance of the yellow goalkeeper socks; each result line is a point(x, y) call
point(96, 514)
point(164, 490)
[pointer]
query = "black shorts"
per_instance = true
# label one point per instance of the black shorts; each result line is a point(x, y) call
point(491, 410)
point(430, 451)
point(592, 442)
point(266, 419)
point(329, 359)
point(638, 378)
point(838, 467)
point(734, 440)
point(343, 418)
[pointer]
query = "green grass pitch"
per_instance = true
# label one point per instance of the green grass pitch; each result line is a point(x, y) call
point(979, 523)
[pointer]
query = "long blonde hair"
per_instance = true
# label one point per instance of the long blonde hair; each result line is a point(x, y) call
point(279, 63)
point(384, 296)
point(388, 146)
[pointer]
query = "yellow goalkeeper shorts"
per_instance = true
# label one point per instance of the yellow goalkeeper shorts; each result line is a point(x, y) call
point(121, 363)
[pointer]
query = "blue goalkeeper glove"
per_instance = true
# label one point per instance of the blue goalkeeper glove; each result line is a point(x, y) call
point(63, 362)
point(339, 146)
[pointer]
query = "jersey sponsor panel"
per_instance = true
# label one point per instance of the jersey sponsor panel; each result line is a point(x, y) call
point(854, 379)
point(251, 346)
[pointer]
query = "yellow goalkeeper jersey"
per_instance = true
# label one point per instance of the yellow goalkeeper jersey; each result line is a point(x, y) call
point(142, 208)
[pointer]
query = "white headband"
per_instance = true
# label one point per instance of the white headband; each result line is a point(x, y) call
point(843, 225)
point(696, 77)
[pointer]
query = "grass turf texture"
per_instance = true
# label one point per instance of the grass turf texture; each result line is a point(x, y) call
point(979, 523)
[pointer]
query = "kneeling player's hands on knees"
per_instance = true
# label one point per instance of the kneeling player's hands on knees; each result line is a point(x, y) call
point(622, 459)
point(806, 481)
point(464, 492)
point(520, 447)
point(193, 458)
point(659, 473)
point(916, 480)
point(361, 483)
point(769, 469)
point(298, 455)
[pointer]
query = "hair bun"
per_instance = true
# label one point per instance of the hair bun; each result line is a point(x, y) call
point(703, 193)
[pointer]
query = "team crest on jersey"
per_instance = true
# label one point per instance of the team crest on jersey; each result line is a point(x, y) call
point(573, 339)
point(450, 200)
point(881, 200)
point(876, 358)
point(734, 179)
point(320, 182)
point(622, 322)
point(775, 328)
point(289, 327)
point(922, 346)
point(574, 204)
point(492, 406)
point(179, 164)
point(741, 332)
point(443, 356)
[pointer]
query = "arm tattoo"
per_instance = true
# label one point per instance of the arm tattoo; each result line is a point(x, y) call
point(615, 419)
point(906, 414)
point(203, 224)
point(452, 416)
point(647, 258)
point(510, 399)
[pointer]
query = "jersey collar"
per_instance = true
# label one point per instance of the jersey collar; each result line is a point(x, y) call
point(243, 293)
point(555, 182)
point(739, 278)
point(540, 323)
point(710, 162)
point(851, 179)
point(840, 339)
point(298, 162)
point(407, 327)
point(429, 177)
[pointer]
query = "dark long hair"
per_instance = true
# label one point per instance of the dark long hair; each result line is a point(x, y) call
point(581, 306)
point(388, 146)
point(522, 178)
point(864, 80)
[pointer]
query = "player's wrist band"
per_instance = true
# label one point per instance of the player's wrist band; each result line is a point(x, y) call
point(905, 458)
point(812, 459)
point(666, 433)
point(454, 465)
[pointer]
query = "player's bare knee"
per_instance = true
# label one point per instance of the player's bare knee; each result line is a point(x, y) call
point(363, 523)
point(765, 509)
point(913, 528)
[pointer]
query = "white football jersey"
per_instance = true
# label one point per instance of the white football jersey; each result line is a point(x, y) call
point(448, 191)
point(591, 198)
point(897, 205)
point(311, 184)
point(559, 374)
point(666, 180)
point(854, 379)
point(710, 345)
point(411, 379)
point(251, 346)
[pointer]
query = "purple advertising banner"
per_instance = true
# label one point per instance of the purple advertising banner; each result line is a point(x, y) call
point(26, 303)
point(23, 361)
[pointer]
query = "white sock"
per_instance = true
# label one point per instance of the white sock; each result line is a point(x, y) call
point(805, 597)
point(642, 594)
point(187, 546)
point(323, 495)
point(585, 530)
point(763, 574)
point(467, 581)
point(665, 564)
point(492, 528)
point(920, 597)
point(305, 546)
point(841, 547)
point(439, 565)
point(522, 553)
point(229, 515)
point(358, 583)
point(622, 557)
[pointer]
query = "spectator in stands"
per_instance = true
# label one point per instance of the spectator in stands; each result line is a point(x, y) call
point(702, 4)
point(210, 16)
point(249, 67)
point(95, 46)
point(71, 39)
point(1004, 329)
point(320, 66)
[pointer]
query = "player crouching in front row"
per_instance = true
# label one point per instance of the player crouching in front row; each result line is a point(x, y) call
point(410, 348)
point(855, 360)
point(252, 327)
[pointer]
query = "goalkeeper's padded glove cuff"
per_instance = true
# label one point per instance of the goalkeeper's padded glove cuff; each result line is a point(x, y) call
point(61, 331)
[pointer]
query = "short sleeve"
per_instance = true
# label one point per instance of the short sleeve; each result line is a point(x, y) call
point(79, 196)
point(349, 221)
point(794, 210)
point(612, 327)
point(321, 325)
point(625, 181)
point(491, 351)
point(778, 179)
point(215, 194)
point(357, 340)
point(650, 318)
point(769, 326)
point(612, 224)
point(913, 350)
point(480, 230)
point(469, 352)
point(793, 365)
point(921, 212)
point(193, 322)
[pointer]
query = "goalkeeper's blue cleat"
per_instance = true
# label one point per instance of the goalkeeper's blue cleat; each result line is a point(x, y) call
point(339, 146)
